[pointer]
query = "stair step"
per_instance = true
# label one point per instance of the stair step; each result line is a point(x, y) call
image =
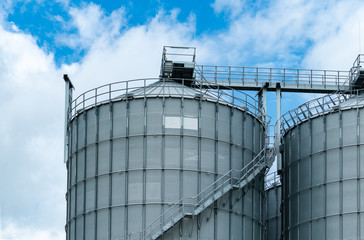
point(214, 195)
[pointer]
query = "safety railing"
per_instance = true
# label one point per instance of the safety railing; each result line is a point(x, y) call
point(271, 180)
point(317, 107)
point(231, 75)
point(176, 54)
point(159, 87)
point(357, 67)
point(195, 205)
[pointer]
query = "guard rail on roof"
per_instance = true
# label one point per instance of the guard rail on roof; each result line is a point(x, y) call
point(315, 107)
point(124, 90)
point(356, 70)
point(255, 76)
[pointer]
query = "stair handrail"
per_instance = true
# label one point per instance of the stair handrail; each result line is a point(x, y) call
point(185, 202)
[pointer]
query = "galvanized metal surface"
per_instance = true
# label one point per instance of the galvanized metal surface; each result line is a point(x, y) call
point(273, 214)
point(320, 106)
point(130, 157)
point(323, 175)
point(233, 179)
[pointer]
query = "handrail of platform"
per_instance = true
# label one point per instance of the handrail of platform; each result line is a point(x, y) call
point(315, 107)
point(125, 90)
point(357, 66)
point(241, 75)
point(271, 180)
point(190, 204)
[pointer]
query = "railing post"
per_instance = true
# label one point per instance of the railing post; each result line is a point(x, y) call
point(270, 75)
point(215, 74)
point(229, 76)
point(284, 77)
point(324, 83)
point(95, 97)
point(110, 92)
point(243, 76)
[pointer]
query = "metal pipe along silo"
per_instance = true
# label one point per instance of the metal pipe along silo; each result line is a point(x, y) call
point(323, 169)
point(155, 158)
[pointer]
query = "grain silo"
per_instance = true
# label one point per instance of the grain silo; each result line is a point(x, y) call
point(183, 156)
point(322, 175)
point(157, 158)
point(273, 218)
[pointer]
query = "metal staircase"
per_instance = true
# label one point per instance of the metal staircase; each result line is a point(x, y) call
point(191, 207)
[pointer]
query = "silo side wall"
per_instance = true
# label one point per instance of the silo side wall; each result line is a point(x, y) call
point(323, 177)
point(130, 160)
point(273, 213)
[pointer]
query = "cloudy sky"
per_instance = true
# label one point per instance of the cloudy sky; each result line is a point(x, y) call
point(103, 41)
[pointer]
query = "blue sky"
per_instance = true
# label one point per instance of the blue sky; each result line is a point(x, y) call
point(98, 42)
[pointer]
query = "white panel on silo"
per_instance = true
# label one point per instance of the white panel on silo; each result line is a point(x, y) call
point(135, 152)
point(79, 227)
point(90, 161)
point(118, 154)
point(103, 191)
point(103, 153)
point(90, 226)
point(90, 194)
point(350, 226)
point(318, 202)
point(102, 224)
point(135, 187)
point(154, 153)
point(318, 168)
point(154, 116)
point(172, 183)
point(104, 123)
point(118, 189)
point(207, 155)
point(172, 151)
point(119, 119)
point(117, 222)
point(333, 198)
point(153, 188)
point(190, 152)
point(80, 165)
point(136, 121)
point(80, 198)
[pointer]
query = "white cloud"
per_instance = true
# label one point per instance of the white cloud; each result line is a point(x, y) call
point(92, 23)
point(15, 232)
point(339, 46)
point(33, 179)
point(134, 54)
point(232, 7)
point(32, 88)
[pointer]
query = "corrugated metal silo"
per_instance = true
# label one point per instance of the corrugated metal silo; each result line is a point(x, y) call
point(323, 169)
point(273, 217)
point(137, 148)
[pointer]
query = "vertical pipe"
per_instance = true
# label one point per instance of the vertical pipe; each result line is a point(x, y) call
point(278, 128)
point(85, 176)
point(111, 127)
point(341, 174)
point(265, 103)
point(76, 177)
point(126, 187)
point(68, 101)
point(96, 166)
point(358, 170)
